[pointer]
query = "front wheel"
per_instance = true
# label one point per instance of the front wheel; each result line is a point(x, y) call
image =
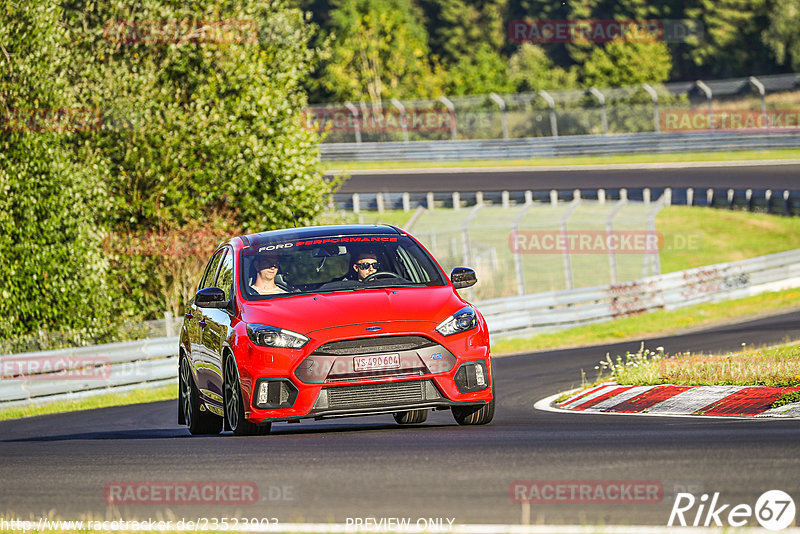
point(411, 417)
point(234, 404)
point(199, 422)
point(474, 415)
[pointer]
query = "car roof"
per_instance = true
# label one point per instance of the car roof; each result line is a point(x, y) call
point(306, 232)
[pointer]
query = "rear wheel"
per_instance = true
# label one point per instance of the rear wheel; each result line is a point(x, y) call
point(234, 404)
point(199, 422)
point(411, 417)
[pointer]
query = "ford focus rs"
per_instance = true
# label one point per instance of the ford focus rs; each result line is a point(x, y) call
point(330, 321)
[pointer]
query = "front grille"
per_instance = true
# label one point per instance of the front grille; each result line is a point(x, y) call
point(376, 395)
point(372, 345)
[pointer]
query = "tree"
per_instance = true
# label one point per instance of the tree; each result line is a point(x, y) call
point(783, 34)
point(467, 38)
point(53, 269)
point(623, 62)
point(530, 69)
point(379, 50)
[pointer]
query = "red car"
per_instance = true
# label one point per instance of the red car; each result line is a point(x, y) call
point(330, 321)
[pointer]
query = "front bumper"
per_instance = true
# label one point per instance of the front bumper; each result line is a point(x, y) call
point(320, 381)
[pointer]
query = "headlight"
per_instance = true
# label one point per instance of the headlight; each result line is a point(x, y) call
point(270, 336)
point(461, 321)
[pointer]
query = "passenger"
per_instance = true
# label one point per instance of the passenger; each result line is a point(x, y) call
point(366, 264)
point(266, 268)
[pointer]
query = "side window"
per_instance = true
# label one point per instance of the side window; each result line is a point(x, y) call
point(211, 271)
point(225, 277)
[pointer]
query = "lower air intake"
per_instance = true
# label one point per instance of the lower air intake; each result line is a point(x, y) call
point(377, 395)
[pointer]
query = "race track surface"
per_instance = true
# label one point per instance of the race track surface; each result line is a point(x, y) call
point(741, 176)
point(60, 465)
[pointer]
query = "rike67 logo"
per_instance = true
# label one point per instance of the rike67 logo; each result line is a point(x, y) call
point(774, 510)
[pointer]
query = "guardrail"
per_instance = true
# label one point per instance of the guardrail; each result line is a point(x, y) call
point(783, 202)
point(563, 309)
point(548, 147)
point(65, 374)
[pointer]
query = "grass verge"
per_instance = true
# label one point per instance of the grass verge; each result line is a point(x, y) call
point(98, 401)
point(776, 366)
point(653, 323)
point(745, 155)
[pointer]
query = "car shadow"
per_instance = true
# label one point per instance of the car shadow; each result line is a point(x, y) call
point(181, 432)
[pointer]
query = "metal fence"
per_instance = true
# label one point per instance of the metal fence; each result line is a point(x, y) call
point(539, 246)
point(548, 147)
point(633, 109)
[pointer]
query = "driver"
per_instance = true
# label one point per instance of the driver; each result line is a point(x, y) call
point(366, 264)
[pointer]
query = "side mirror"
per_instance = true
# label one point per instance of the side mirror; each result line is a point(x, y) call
point(463, 277)
point(211, 297)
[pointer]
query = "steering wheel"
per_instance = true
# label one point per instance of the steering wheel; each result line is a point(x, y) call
point(381, 274)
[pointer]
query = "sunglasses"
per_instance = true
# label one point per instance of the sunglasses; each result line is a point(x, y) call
point(267, 265)
point(366, 265)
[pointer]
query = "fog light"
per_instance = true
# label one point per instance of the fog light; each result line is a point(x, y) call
point(275, 393)
point(263, 393)
point(479, 379)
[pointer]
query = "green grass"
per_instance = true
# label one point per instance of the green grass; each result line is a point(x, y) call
point(789, 398)
point(653, 323)
point(699, 236)
point(576, 160)
point(98, 401)
point(777, 366)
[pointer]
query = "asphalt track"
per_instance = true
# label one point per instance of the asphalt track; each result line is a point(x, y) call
point(738, 176)
point(59, 465)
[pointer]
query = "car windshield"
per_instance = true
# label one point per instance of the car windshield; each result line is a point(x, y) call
point(337, 263)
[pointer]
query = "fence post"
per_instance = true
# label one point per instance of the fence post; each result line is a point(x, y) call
point(601, 98)
point(518, 267)
point(612, 256)
point(356, 126)
point(356, 202)
point(403, 119)
point(654, 97)
point(506, 201)
point(406, 201)
point(169, 326)
point(709, 96)
point(552, 103)
point(567, 259)
point(768, 198)
point(553, 198)
point(502, 105)
point(601, 196)
point(379, 201)
point(429, 200)
point(456, 200)
point(762, 92)
point(690, 196)
point(452, 109)
point(710, 197)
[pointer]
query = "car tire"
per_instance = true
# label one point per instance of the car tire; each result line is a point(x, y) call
point(199, 422)
point(234, 404)
point(411, 417)
point(474, 415)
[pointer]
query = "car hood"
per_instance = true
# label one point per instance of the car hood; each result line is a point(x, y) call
point(307, 313)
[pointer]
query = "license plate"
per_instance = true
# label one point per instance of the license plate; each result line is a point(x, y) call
point(373, 363)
